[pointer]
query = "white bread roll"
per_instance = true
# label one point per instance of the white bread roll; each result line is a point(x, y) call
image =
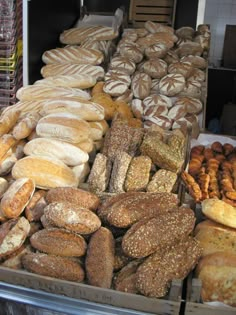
point(81, 172)
point(72, 54)
point(60, 150)
point(39, 92)
point(81, 81)
point(64, 127)
point(45, 172)
point(97, 72)
point(77, 35)
point(84, 109)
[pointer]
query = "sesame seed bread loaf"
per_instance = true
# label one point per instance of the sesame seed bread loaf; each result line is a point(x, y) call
point(162, 181)
point(59, 242)
point(154, 234)
point(99, 260)
point(53, 266)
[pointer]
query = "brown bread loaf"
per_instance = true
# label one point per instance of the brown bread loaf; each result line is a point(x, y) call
point(141, 85)
point(59, 242)
point(154, 275)
point(35, 211)
point(134, 207)
point(53, 266)
point(100, 258)
point(153, 234)
point(172, 84)
point(13, 261)
point(72, 217)
point(156, 68)
point(76, 196)
point(162, 181)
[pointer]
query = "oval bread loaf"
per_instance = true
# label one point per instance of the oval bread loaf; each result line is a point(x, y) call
point(17, 197)
point(124, 64)
point(59, 242)
point(45, 172)
point(157, 100)
point(172, 84)
point(72, 217)
point(156, 68)
point(141, 85)
point(60, 150)
point(115, 87)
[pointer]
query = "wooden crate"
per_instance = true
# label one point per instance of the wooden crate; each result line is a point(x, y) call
point(169, 305)
point(194, 305)
point(162, 11)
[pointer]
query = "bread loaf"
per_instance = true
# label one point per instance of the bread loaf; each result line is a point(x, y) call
point(72, 217)
point(156, 51)
point(3, 186)
point(163, 121)
point(159, 100)
point(81, 81)
point(106, 102)
point(155, 111)
point(31, 213)
point(13, 261)
point(165, 38)
point(59, 242)
point(192, 105)
point(177, 111)
point(137, 107)
point(141, 85)
point(154, 27)
point(26, 125)
point(39, 92)
point(81, 172)
point(123, 64)
point(86, 145)
point(98, 129)
point(13, 234)
point(45, 172)
point(185, 32)
point(60, 150)
point(8, 120)
point(196, 61)
point(100, 258)
point(198, 75)
point(156, 68)
point(131, 52)
point(171, 84)
point(152, 234)
point(73, 54)
point(77, 35)
point(189, 48)
point(96, 72)
point(53, 266)
point(64, 127)
point(7, 141)
point(75, 196)
point(115, 87)
point(192, 88)
point(162, 181)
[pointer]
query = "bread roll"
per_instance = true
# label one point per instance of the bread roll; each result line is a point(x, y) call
point(13, 234)
point(81, 81)
point(219, 211)
point(123, 64)
point(156, 68)
point(59, 242)
point(73, 36)
point(141, 85)
point(100, 258)
point(95, 72)
point(53, 266)
point(8, 120)
point(17, 197)
point(73, 54)
point(26, 125)
point(45, 172)
point(72, 217)
point(171, 84)
point(217, 273)
point(64, 127)
point(60, 150)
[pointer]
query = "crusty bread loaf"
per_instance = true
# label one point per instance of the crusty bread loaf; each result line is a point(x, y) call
point(219, 211)
point(52, 148)
point(53, 266)
point(84, 109)
point(123, 64)
point(154, 27)
point(3, 186)
point(72, 217)
point(26, 125)
point(165, 38)
point(154, 275)
point(7, 141)
point(39, 92)
point(77, 35)
point(81, 81)
point(59, 242)
point(75, 196)
point(192, 105)
point(17, 197)
point(97, 72)
point(45, 172)
point(217, 272)
point(86, 145)
point(8, 120)
point(100, 258)
point(181, 67)
point(64, 127)
point(73, 54)
point(127, 209)
point(162, 181)
point(141, 85)
point(215, 237)
point(115, 87)
point(131, 51)
point(158, 50)
point(172, 84)
point(13, 261)
point(196, 61)
point(157, 99)
point(106, 102)
point(152, 234)
point(13, 234)
point(156, 68)
point(29, 209)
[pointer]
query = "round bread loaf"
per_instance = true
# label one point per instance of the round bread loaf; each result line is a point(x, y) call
point(189, 48)
point(185, 32)
point(129, 35)
point(177, 111)
point(155, 86)
point(154, 27)
point(156, 68)
point(118, 76)
point(16, 197)
point(171, 57)
point(122, 63)
point(184, 68)
point(53, 266)
point(192, 88)
point(126, 97)
point(155, 111)
point(172, 84)
point(161, 37)
point(156, 51)
point(45, 172)
point(115, 87)
point(131, 52)
point(198, 75)
point(137, 107)
point(72, 217)
point(157, 100)
point(163, 121)
point(192, 105)
point(141, 85)
point(196, 61)
point(76, 196)
point(52, 148)
point(59, 242)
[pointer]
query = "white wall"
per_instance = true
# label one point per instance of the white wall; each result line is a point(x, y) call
point(218, 13)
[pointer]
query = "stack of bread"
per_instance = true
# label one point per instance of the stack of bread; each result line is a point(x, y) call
point(144, 238)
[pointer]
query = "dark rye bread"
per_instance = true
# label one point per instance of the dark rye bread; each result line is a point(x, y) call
point(99, 260)
point(140, 205)
point(156, 233)
point(76, 196)
point(154, 275)
point(59, 242)
point(120, 259)
point(71, 217)
point(53, 266)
